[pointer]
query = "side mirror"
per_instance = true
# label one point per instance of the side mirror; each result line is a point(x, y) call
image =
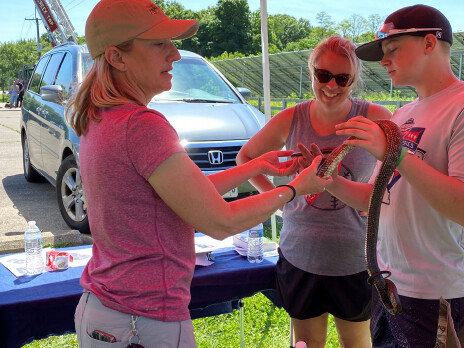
point(52, 93)
point(245, 92)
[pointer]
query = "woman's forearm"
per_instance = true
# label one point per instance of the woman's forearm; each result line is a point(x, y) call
point(354, 194)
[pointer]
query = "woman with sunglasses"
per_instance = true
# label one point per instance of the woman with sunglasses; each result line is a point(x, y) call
point(321, 268)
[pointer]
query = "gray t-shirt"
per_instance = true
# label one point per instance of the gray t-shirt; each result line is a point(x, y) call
point(326, 237)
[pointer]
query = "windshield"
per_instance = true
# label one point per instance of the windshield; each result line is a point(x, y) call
point(193, 80)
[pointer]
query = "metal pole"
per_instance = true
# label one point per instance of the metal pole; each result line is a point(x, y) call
point(241, 315)
point(39, 50)
point(460, 67)
point(266, 70)
point(39, 45)
point(267, 85)
point(301, 81)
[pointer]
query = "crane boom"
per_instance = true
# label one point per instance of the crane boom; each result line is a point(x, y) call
point(56, 21)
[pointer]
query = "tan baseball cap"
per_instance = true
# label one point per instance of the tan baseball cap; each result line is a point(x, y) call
point(113, 22)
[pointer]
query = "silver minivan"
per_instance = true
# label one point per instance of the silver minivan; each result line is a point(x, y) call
point(212, 118)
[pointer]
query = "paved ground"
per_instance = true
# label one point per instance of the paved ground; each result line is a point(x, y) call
point(21, 201)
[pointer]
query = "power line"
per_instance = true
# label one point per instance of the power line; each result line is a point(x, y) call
point(80, 3)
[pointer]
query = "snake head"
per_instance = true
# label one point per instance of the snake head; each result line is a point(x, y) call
point(394, 307)
point(387, 291)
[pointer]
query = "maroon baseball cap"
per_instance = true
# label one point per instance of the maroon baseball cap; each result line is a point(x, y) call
point(417, 20)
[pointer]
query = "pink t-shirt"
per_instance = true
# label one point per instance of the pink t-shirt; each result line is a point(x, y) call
point(143, 253)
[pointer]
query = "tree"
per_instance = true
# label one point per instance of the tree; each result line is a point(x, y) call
point(373, 24)
point(205, 33)
point(303, 44)
point(176, 10)
point(13, 55)
point(343, 28)
point(287, 29)
point(318, 33)
point(325, 24)
point(255, 32)
point(357, 26)
point(232, 27)
point(374, 21)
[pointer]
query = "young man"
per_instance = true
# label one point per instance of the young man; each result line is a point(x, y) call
point(421, 233)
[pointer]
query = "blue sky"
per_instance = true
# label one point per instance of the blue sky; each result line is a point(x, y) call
point(13, 25)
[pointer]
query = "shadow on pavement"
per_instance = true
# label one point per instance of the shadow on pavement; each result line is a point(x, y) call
point(33, 201)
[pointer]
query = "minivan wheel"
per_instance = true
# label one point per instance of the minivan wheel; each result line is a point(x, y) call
point(30, 173)
point(70, 195)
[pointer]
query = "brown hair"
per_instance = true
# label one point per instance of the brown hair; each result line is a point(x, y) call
point(101, 90)
point(341, 47)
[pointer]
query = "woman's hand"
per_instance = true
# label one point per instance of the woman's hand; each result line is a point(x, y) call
point(307, 155)
point(367, 135)
point(307, 182)
point(271, 165)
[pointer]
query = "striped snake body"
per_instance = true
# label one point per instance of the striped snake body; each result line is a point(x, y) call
point(385, 287)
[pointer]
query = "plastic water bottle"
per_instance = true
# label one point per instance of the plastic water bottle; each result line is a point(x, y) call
point(255, 244)
point(33, 249)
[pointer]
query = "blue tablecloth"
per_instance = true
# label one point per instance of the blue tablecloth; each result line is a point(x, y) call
point(34, 307)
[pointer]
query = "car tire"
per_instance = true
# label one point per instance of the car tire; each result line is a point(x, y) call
point(70, 195)
point(30, 173)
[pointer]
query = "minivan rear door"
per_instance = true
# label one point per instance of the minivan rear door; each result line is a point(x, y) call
point(32, 107)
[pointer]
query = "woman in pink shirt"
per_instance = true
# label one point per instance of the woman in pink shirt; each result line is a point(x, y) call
point(144, 195)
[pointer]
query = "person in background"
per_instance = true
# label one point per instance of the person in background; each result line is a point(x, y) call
point(14, 91)
point(321, 268)
point(144, 195)
point(19, 101)
point(421, 225)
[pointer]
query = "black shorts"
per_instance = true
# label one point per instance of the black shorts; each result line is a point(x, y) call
point(305, 295)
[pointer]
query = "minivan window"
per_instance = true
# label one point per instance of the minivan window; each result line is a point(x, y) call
point(35, 80)
point(64, 76)
point(87, 63)
point(49, 76)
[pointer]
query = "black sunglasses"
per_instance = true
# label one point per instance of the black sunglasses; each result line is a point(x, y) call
point(324, 76)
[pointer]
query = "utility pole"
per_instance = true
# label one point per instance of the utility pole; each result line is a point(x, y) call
point(39, 45)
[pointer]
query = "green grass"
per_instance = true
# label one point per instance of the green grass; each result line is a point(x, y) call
point(265, 325)
point(370, 96)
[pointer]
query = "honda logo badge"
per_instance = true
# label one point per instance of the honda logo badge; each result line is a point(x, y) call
point(215, 157)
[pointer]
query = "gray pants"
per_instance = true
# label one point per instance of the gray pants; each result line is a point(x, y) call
point(92, 315)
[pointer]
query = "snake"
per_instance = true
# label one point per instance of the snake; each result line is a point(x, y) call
point(385, 287)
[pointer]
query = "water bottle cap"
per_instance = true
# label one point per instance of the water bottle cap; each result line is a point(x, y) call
point(31, 223)
point(300, 344)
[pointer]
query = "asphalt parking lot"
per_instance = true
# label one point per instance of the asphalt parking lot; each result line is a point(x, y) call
point(21, 201)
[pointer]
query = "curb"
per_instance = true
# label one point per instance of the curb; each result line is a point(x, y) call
point(15, 243)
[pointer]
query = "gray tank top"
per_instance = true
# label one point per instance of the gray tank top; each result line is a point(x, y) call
point(326, 237)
